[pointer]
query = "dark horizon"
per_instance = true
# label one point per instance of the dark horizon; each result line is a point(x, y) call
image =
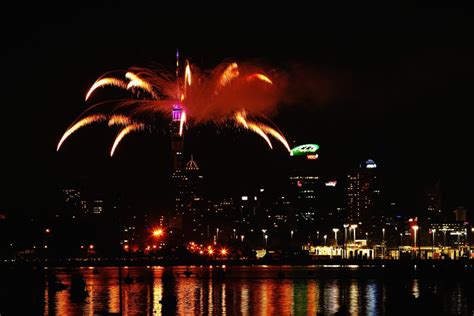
point(393, 87)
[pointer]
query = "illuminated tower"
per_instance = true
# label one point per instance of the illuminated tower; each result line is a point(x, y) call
point(177, 146)
point(363, 196)
point(177, 139)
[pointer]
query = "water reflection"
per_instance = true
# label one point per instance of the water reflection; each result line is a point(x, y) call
point(245, 290)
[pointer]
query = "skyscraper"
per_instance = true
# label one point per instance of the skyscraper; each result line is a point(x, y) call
point(433, 202)
point(362, 195)
point(188, 213)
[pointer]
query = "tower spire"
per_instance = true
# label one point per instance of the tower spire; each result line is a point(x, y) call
point(177, 75)
point(177, 64)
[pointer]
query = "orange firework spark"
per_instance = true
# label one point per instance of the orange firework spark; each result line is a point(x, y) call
point(261, 129)
point(261, 77)
point(230, 73)
point(118, 119)
point(181, 123)
point(85, 121)
point(126, 130)
point(106, 82)
point(208, 96)
point(187, 75)
point(241, 118)
point(279, 136)
point(256, 128)
point(138, 82)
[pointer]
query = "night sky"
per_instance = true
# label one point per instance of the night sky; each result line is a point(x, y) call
point(394, 86)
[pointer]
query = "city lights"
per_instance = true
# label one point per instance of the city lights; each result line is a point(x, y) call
point(158, 232)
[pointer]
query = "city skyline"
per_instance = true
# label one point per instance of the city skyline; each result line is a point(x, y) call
point(352, 99)
point(167, 158)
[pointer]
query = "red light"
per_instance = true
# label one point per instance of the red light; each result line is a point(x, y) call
point(312, 157)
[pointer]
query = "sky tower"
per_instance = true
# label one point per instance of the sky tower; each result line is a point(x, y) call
point(177, 145)
point(176, 128)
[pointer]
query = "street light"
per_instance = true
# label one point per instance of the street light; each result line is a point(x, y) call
point(217, 234)
point(345, 232)
point(291, 233)
point(335, 230)
point(444, 231)
point(325, 237)
point(401, 239)
point(383, 235)
point(433, 231)
point(242, 237)
point(234, 233)
point(415, 228)
point(263, 232)
point(266, 239)
point(354, 226)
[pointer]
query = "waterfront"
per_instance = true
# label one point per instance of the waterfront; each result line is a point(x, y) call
point(249, 290)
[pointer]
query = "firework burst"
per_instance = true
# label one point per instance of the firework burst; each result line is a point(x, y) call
point(229, 93)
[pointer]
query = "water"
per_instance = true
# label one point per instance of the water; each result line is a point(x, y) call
point(257, 290)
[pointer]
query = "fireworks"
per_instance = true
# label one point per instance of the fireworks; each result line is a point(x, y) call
point(231, 72)
point(126, 130)
point(261, 77)
point(261, 129)
point(81, 123)
point(118, 119)
point(231, 92)
point(182, 121)
point(106, 82)
point(138, 82)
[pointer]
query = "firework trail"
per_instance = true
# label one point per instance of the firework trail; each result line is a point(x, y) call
point(230, 73)
point(126, 130)
point(261, 77)
point(81, 123)
point(138, 82)
point(261, 129)
point(118, 119)
point(231, 92)
point(106, 82)
point(182, 121)
point(187, 75)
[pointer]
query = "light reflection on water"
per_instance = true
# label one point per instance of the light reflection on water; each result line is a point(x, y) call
point(243, 290)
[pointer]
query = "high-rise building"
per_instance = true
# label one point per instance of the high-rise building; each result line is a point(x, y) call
point(75, 203)
point(362, 195)
point(460, 214)
point(98, 206)
point(189, 203)
point(304, 192)
point(433, 203)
